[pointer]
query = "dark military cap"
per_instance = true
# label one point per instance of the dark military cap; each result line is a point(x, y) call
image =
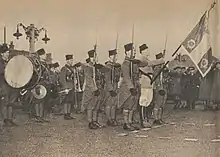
point(91, 53)
point(143, 47)
point(68, 57)
point(41, 52)
point(159, 55)
point(87, 60)
point(128, 47)
point(112, 52)
point(56, 65)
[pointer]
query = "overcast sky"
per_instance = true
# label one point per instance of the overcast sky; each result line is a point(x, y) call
point(74, 24)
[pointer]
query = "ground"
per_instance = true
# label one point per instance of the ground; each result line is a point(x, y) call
point(61, 138)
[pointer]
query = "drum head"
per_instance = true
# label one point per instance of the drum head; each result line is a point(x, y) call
point(18, 71)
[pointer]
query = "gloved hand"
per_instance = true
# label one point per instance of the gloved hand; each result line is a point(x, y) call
point(113, 93)
point(133, 91)
point(37, 90)
point(96, 93)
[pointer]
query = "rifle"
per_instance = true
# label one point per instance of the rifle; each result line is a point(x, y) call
point(165, 65)
point(114, 59)
point(132, 54)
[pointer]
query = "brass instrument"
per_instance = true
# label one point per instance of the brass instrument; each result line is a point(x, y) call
point(77, 81)
point(41, 88)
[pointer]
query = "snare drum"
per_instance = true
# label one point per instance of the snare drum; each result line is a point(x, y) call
point(23, 72)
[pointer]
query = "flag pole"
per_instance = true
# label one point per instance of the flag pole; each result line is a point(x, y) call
point(212, 6)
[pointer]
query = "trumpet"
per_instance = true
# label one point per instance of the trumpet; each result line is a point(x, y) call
point(77, 81)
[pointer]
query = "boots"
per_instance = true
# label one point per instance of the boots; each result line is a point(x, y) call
point(156, 117)
point(7, 122)
point(130, 120)
point(92, 125)
point(126, 125)
point(68, 117)
point(95, 119)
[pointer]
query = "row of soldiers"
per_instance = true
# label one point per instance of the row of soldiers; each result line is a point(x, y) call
point(111, 86)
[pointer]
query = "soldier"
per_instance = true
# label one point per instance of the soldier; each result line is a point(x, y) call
point(79, 79)
point(8, 94)
point(191, 87)
point(175, 86)
point(111, 88)
point(67, 85)
point(160, 93)
point(215, 88)
point(128, 89)
point(53, 86)
point(146, 69)
point(39, 103)
point(91, 92)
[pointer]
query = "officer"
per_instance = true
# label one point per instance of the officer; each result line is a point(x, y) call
point(146, 71)
point(67, 85)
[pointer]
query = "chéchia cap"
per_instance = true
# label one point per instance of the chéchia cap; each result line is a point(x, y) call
point(69, 57)
point(128, 47)
point(143, 47)
point(112, 52)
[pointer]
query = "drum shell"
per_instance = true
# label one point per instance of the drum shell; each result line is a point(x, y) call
point(23, 71)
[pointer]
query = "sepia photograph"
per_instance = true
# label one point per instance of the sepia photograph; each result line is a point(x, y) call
point(110, 78)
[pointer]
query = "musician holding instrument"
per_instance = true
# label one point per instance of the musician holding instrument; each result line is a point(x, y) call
point(40, 91)
point(160, 92)
point(67, 86)
point(8, 94)
point(128, 90)
point(79, 80)
point(111, 88)
point(53, 86)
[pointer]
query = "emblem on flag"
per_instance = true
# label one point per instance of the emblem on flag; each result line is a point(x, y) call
point(191, 44)
point(198, 47)
point(204, 63)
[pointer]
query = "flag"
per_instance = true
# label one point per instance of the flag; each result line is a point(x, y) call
point(197, 46)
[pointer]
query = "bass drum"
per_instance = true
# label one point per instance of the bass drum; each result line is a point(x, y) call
point(23, 72)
